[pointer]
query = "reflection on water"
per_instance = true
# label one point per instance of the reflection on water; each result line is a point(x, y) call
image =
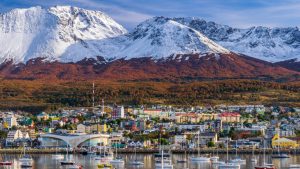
point(45, 161)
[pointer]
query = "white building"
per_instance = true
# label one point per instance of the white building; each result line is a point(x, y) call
point(10, 120)
point(118, 112)
point(15, 135)
point(179, 139)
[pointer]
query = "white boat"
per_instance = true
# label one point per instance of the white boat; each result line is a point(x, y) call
point(25, 158)
point(57, 156)
point(166, 163)
point(67, 161)
point(199, 158)
point(117, 161)
point(26, 165)
point(217, 162)
point(294, 166)
point(136, 163)
point(214, 158)
point(229, 166)
point(165, 166)
point(237, 160)
point(75, 166)
point(253, 160)
point(163, 162)
point(264, 165)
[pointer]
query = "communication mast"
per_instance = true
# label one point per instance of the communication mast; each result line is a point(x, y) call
point(103, 106)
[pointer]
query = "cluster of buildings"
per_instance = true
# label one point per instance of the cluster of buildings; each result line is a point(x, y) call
point(245, 126)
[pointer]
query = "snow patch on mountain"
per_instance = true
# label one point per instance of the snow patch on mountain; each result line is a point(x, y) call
point(158, 37)
point(270, 44)
point(49, 33)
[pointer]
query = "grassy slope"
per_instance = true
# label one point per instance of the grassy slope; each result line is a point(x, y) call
point(44, 95)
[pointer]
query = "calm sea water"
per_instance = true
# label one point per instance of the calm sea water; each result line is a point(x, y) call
point(44, 161)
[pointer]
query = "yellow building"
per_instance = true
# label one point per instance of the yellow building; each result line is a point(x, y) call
point(194, 117)
point(100, 128)
point(283, 142)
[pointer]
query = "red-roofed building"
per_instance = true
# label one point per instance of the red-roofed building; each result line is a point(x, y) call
point(230, 117)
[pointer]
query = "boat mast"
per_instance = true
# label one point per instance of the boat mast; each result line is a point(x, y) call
point(236, 154)
point(227, 149)
point(199, 143)
point(264, 152)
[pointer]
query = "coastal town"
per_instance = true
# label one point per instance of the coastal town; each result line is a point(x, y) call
point(146, 128)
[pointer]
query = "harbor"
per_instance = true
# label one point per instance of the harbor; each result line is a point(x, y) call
point(89, 161)
point(152, 151)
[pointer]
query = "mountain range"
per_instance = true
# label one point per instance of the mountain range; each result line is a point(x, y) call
point(69, 43)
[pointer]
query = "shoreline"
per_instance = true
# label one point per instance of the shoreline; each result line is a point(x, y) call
point(153, 151)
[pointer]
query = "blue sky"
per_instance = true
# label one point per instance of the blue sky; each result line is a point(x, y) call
point(237, 13)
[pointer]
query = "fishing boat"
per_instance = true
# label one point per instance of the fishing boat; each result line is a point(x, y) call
point(237, 160)
point(265, 165)
point(199, 158)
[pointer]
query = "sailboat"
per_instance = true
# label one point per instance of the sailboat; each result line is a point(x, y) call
point(183, 160)
point(25, 157)
point(215, 159)
point(107, 155)
point(117, 160)
point(163, 162)
point(5, 162)
point(253, 158)
point(294, 166)
point(90, 152)
point(279, 154)
point(199, 158)
point(67, 161)
point(237, 159)
point(26, 161)
point(228, 165)
point(265, 165)
point(135, 162)
point(56, 155)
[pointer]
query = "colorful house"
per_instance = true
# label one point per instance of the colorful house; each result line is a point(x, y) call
point(283, 142)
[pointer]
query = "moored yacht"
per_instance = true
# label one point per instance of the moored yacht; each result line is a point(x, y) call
point(199, 158)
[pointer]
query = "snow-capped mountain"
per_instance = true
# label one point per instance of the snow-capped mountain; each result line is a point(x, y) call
point(270, 44)
point(51, 33)
point(158, 37)
point(70, 34)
